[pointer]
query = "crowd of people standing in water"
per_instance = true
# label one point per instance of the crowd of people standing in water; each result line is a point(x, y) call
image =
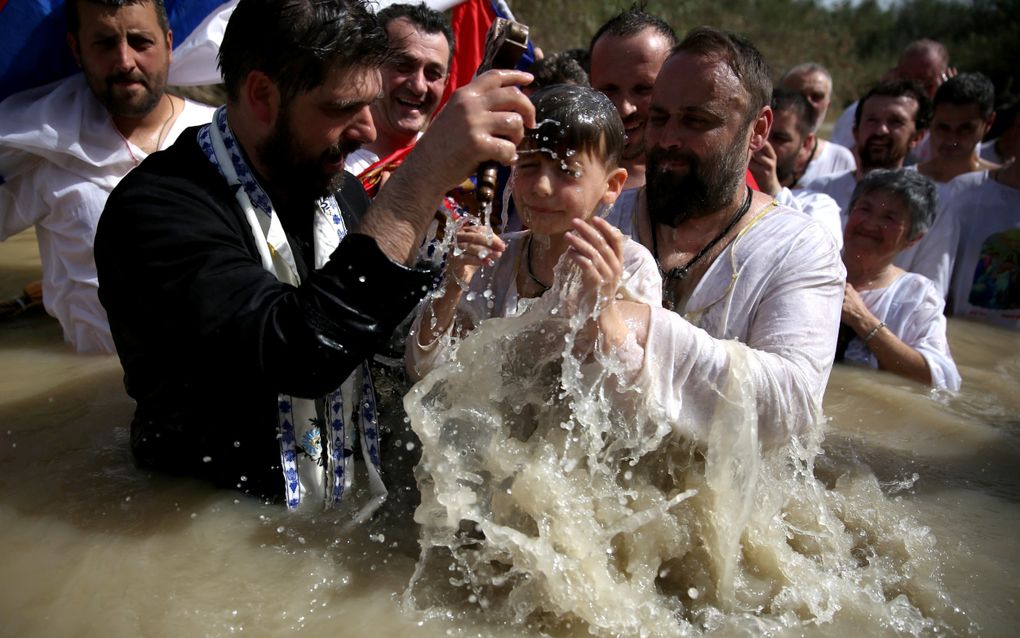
point(250, 284)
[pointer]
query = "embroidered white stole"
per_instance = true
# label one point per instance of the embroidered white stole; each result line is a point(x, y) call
point(316, 437)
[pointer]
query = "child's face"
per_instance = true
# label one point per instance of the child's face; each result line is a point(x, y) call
point(550, 192)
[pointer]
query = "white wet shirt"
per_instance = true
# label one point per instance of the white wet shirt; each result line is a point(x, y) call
point(493, 293)
point(770, 306)
point(60, 157)
point(912, 309)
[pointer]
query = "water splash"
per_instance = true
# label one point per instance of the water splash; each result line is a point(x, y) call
point(553, 496)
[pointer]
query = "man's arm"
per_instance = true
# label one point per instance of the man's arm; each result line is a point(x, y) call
point(484, 120)
point(781, 367)
point(183, 288)
point(21, 202)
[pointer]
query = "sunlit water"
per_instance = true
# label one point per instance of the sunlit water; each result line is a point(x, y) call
point(905, 523)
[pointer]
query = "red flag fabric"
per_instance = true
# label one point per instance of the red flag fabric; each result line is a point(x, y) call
point(470, 22)
point(751, 181)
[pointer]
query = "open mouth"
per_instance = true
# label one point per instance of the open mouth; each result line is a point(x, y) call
point(631, 131)
point(411, 104)
point(870, 235)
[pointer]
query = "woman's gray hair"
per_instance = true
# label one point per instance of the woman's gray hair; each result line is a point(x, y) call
point(913, 188)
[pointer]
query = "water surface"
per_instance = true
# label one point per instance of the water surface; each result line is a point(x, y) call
point(92, 546)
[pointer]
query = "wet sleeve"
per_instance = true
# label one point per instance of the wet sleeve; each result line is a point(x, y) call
point(924, 330)
point(780, 372)
point(180, 277)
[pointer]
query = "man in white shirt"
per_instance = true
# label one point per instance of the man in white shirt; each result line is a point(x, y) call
point(743, 276)
point(890, 121)
point(64, 146)
point(774, 165)
point(986, 275)
point(820, 157)
point(413, 81)
point(923, 61)
point(626, 54)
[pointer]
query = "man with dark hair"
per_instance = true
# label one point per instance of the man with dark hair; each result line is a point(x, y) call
point(247, 276)
point(414, 79)
point(822, 157)
point(925, 62)
point(890, 121)
point(625, 56)
point(742, 275)
point(558, 68)
point(64, 146)
point(1002, 140)
point(774, 165)
point(963, 113)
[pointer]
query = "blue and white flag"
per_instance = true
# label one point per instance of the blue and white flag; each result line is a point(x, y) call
point(33, 42)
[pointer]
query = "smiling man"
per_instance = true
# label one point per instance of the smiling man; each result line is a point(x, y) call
point(413, 81)
point(64, 146)
point(890, 121)
point(742, 276)
point(626, 54)
point(962, 116)
point(247, 276)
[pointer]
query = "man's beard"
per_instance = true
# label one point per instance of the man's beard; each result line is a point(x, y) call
point(293, 172)
point(707, 188)
point(890, 157)
point(122, 106)
point(785, 169)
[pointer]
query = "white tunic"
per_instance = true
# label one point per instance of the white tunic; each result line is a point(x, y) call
point(912, 309)
point(843, 129)
point(60, 157)
point(832, 158)
point(767, 310)
point(359, 160)
point(493, 293)
point(818, 206)
point(838, 186)
point(986, 277)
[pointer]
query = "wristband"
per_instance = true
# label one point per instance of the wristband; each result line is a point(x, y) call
point(874, 331)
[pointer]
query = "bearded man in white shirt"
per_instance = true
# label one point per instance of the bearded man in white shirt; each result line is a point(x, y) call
point(66, 145)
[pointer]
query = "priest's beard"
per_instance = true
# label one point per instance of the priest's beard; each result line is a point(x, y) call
point(298, 174)
point(707, 186)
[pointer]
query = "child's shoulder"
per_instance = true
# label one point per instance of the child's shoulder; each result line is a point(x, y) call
point(635, 252)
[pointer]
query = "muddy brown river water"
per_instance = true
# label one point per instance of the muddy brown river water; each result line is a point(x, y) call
point(92, 546)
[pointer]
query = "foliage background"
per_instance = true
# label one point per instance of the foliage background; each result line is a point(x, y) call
point(857, 42)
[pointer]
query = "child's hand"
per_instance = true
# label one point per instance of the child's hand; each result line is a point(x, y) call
point(476, 246)
point(596, 247)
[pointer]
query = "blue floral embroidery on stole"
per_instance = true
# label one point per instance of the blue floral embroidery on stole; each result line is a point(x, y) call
point(334, 403)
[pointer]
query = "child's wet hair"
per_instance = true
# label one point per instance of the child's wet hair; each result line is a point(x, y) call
point(574, 119)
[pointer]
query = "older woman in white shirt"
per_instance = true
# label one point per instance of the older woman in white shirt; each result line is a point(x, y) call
point(893, 319)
